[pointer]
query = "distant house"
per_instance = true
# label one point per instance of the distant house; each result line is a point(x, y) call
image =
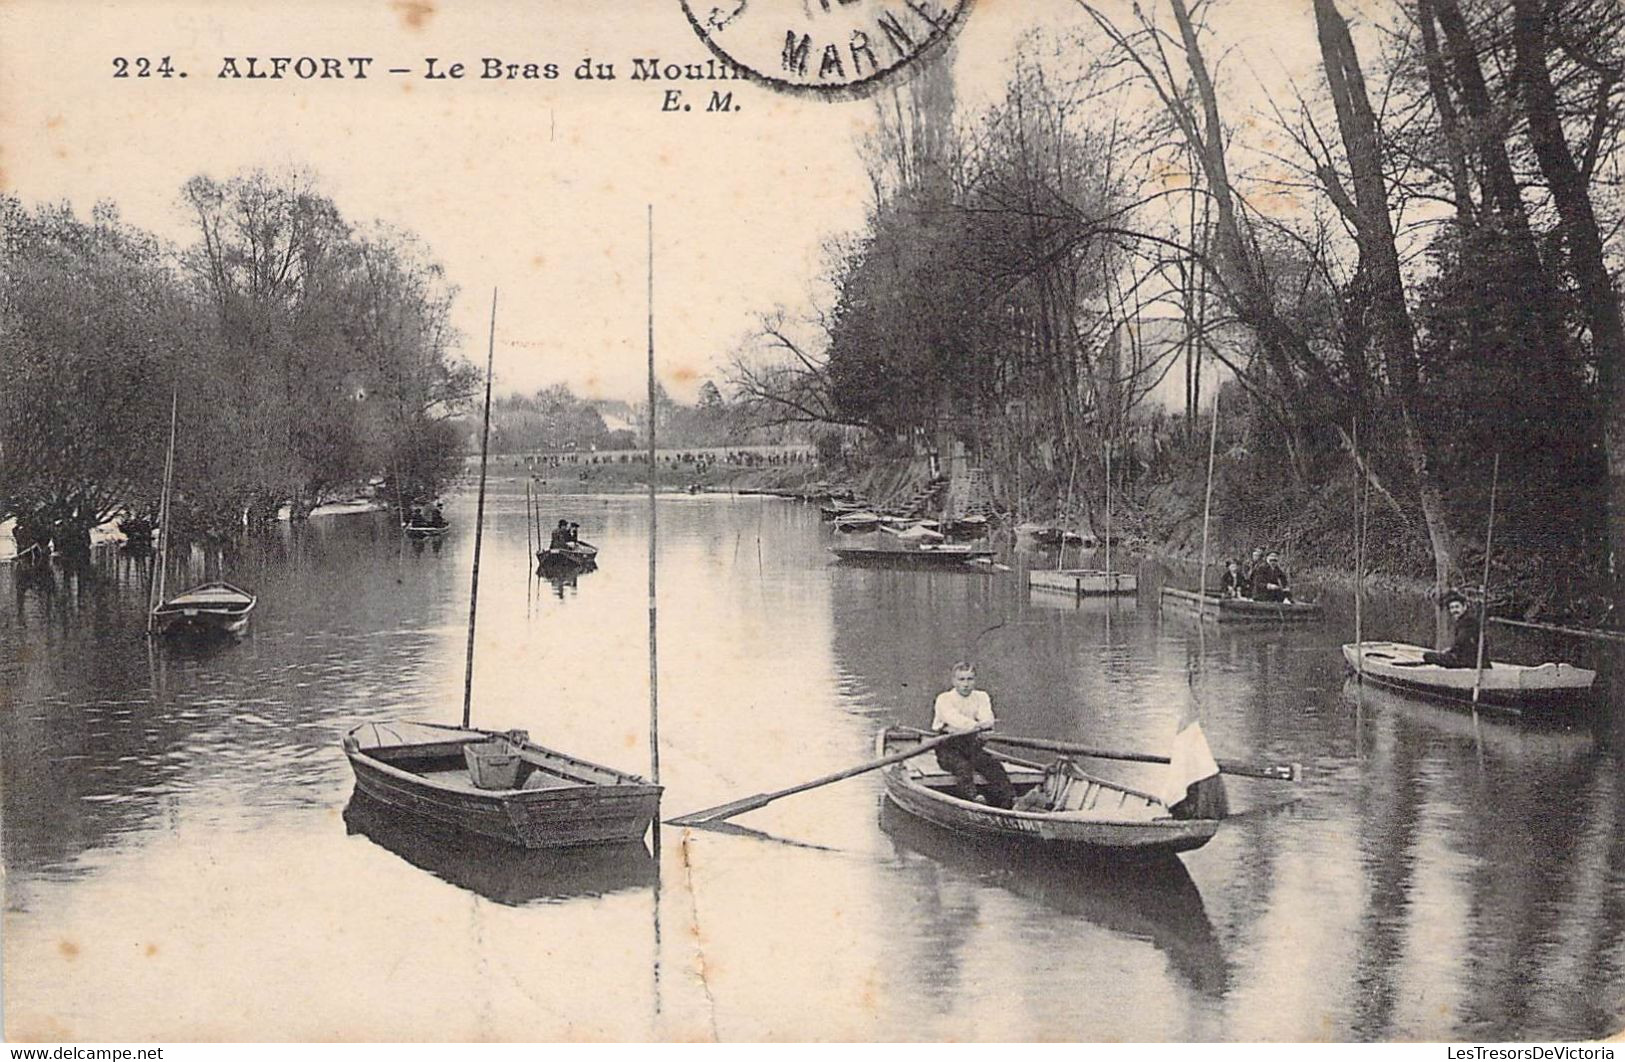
point(1154, 341)
point(618, 415)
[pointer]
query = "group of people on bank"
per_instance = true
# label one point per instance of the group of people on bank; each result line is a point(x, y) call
point(1263, 579)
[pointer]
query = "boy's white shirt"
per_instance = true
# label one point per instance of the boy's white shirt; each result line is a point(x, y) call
point(960, 714)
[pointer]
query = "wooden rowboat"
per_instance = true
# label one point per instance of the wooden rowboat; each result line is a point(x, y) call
point(425, 530)
point(578, 557)
point(1083, 582)
point(1511, 688)
point(857, 521)
point(499, 785)
point(925, 554)
point(837, 509)
point(212, 608)
point(1094, 815)
point(1217, 609)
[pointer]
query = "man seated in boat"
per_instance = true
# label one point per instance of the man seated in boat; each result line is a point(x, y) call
point(1254, 562)
point(560, 538)
point(1231, 583)
point(1269, 582)
point(438, 517)
point(1463, 650)
point(968, 712)
point(575, 534)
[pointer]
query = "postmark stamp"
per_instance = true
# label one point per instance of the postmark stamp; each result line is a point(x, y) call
point(832, 48)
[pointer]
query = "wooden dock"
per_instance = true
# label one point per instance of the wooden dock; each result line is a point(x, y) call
point(1083, 582)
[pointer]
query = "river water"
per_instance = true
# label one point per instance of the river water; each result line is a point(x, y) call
point(184, 860)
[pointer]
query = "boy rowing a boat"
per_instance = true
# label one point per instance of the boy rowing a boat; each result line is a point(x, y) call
point(968, 712)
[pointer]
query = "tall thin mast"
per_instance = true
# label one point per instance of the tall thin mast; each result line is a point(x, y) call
point(1111, 584)
point(654, 667)
point(156, 597)
point(1207, 504)
point(479, 520)
point(1484, 586)
point(1359, 558)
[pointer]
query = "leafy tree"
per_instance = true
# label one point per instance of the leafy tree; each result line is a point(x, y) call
point(95, 331)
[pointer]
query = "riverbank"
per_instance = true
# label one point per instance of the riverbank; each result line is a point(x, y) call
point(1317, 541)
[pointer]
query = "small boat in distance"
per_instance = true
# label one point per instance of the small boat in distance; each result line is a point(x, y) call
point(576, 557)
point(857, 520)
point(498, 785)
point(1216, 609)
point(839, 508)
point(211, 608)
point(412, 530)
point(1512, 688)
point(1086, 813)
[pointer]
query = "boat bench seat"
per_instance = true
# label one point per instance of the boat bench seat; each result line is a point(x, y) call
point(540, 779)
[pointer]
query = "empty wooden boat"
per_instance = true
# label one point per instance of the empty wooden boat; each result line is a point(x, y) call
point(1069, 808)
point(1218, 609)
point(857, 520)
point(212, 608)
point(499, 785)
point(918, 531)
point(1083, 582)
point(837, 509)
point(1513, 688)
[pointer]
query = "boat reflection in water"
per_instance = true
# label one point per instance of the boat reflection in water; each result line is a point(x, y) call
point(1496, 733)
point(563, 580)
point(505, 874)
point(433, 544)
point(1149, 898)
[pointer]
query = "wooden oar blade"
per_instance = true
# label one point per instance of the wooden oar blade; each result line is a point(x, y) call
point(722, 811)
point(1272, 772)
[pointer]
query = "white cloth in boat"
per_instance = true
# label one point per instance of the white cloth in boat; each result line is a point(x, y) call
point(959, 715)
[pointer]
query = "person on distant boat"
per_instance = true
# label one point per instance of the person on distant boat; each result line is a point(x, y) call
point(561, 536)
point(416, 519)
point(968, 712)
point(575, 534)
point(438, 517)
point(1231, 583)
point(1254, 562)
point(1268, 580)
point(1463, 650)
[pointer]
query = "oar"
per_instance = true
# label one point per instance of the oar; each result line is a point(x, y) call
point(1277, 772)
point(751, 803)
